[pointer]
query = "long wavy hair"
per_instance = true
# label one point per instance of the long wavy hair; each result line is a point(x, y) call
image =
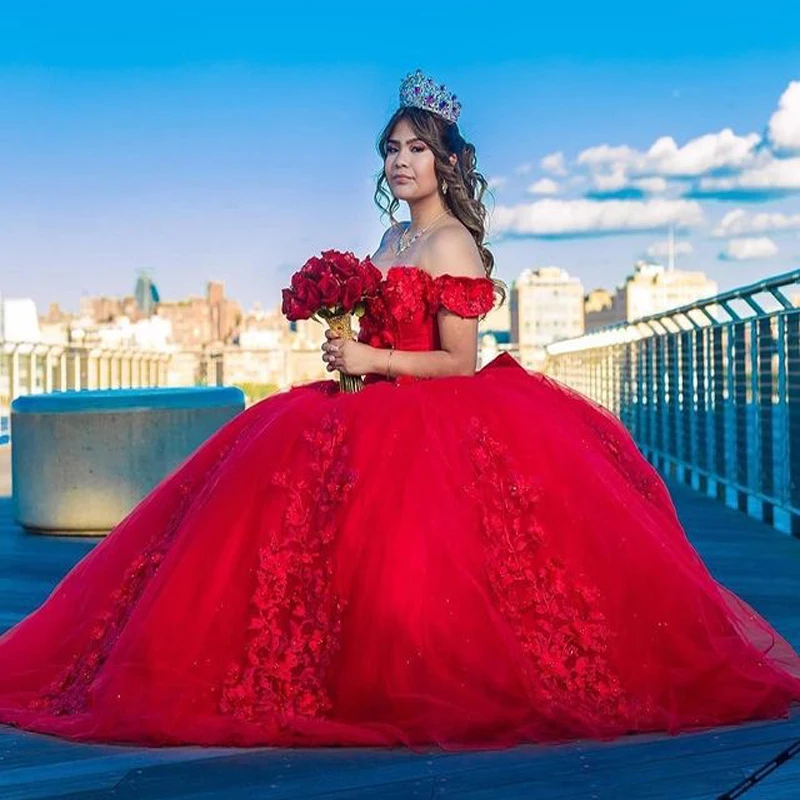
point(465, 185)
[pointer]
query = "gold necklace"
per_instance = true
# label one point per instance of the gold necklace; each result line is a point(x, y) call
point(416, 235)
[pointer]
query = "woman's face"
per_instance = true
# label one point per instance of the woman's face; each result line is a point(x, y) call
point(409, 164)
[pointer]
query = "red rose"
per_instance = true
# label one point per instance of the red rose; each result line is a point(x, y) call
point(353, 291)
point(328, 288)
point(333, 280)
point(371, 276)
point(344, 265)
point(291, 308)
point(312, 269)
point(307, 294)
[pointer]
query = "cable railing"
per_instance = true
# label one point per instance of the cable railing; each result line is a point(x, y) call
point(710, 391)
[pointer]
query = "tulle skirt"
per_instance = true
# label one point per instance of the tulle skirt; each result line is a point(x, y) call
point(466, 561)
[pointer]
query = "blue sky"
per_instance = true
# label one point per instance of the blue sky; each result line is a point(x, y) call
point(232, 141)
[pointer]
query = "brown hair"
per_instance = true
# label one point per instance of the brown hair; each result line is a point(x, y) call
point(465, 185)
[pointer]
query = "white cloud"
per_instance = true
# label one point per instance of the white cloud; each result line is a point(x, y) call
point(610, 181)
point(661, 249)
point(604, 155)
point(523, 169)
point(784, 124)
point(769, 176)
point(650, 185)
point(554, 164)
point(712, 151)
point(618, 180)
point(563, 218)
point(740, 222)
point(496, 182)
point(544, 186)
point(746, 249)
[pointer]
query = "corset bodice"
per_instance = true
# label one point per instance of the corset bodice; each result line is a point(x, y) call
point(402, 315)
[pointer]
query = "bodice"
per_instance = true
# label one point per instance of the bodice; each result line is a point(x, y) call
point(402, 315)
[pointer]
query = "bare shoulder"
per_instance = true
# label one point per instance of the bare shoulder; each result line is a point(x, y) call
point(452, 250)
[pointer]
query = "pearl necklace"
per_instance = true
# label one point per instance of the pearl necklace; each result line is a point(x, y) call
point(416, 235)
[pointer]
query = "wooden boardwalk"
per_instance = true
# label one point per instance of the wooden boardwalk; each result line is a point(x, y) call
point(759, 564)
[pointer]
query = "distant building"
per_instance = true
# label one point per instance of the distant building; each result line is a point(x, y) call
point(201, 320)
point(648, 290)
point(146, 295)
point(598, 309)
point(262, 329)
point(100, 309)
point(545, 305)
point(497, 321)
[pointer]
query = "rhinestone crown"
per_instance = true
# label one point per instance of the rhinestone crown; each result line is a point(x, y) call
point(423, 92)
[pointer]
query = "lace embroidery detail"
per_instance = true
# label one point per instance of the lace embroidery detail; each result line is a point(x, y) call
point(295, 613)
point(465, 296)
point(555, 614)
point(409, 296)
point(632, 464)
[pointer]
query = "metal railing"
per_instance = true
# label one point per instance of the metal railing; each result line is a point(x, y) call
point(710, 391)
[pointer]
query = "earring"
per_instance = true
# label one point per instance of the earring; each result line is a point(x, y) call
point(444, 187)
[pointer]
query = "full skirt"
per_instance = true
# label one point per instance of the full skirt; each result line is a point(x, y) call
point(466, 561)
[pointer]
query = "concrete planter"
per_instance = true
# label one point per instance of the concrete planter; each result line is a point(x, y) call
point(80, 461)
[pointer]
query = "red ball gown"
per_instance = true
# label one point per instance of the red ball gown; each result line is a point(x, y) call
point(461, 561)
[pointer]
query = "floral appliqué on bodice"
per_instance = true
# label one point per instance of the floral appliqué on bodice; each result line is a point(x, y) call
point(403, 313)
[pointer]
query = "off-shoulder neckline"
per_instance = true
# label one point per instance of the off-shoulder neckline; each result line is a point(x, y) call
point(411, 267)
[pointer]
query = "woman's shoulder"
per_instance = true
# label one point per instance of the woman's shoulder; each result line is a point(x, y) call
point(451, 250)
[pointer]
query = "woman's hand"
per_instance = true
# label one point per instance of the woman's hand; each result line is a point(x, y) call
point(347, 355)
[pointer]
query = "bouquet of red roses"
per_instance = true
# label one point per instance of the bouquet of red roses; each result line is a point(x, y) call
point(332, 287)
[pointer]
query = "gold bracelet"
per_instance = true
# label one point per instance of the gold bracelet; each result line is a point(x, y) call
point(389, 363)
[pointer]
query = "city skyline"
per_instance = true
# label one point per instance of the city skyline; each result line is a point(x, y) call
point(192, 150)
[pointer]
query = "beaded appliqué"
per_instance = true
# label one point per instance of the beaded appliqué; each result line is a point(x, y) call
point(633, 465)
point(465, 296)
point(295, 613)
point(410, 296)
point(555, 614)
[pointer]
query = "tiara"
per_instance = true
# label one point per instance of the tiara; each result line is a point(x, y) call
point(423, 92)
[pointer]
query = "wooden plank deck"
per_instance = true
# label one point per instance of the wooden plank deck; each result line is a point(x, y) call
point(759, 564)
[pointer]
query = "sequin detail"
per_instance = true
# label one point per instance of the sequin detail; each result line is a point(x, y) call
point(555, 614)
point(295, 612)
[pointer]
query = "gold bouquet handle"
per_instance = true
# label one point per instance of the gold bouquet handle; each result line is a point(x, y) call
point(342, 326)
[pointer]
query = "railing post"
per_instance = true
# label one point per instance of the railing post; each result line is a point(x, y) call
point(673, 413)
point(688, 404)
point(718, 394)
point(701, 422)
point(793, 412)
point(738, 391)
point(765, 352)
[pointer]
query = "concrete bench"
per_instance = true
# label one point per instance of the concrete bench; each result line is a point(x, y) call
point(81, 460)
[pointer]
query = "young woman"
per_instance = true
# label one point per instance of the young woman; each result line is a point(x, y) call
point(448, 556)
